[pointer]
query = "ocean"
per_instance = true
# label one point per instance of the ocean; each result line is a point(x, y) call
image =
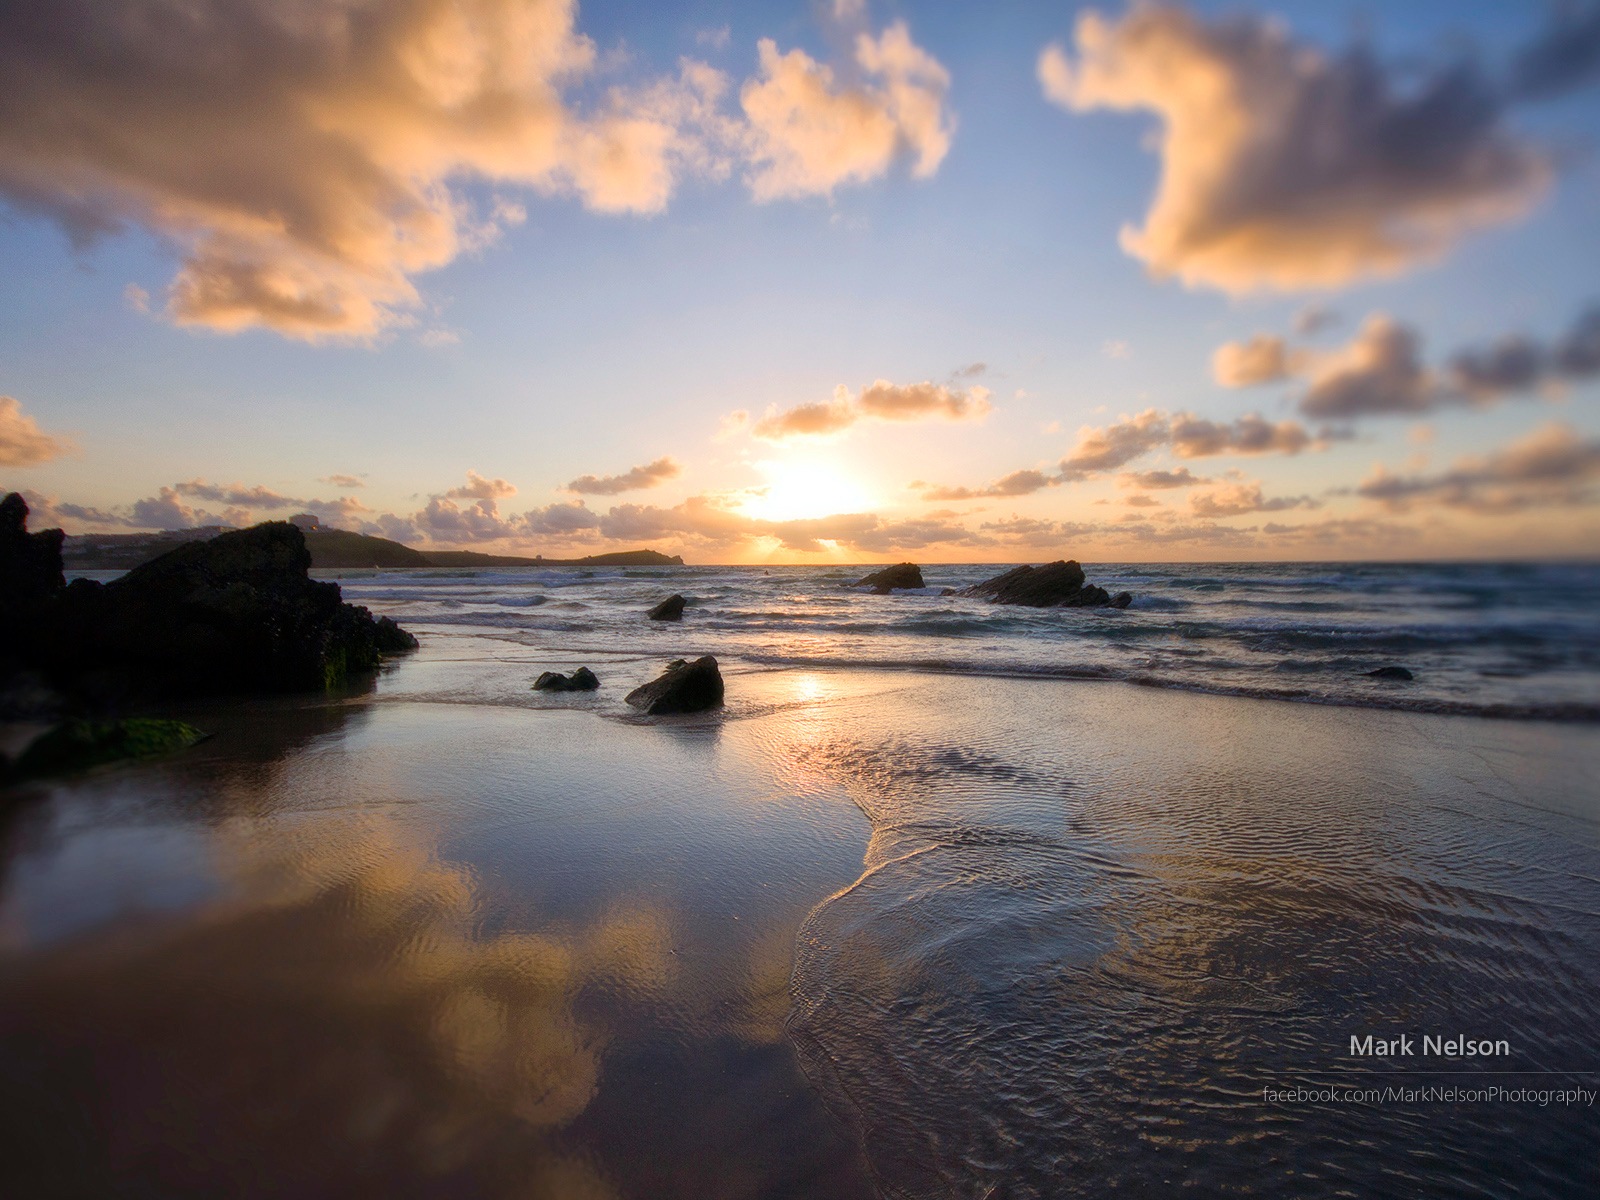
point(1512, 640)
point(948, 901)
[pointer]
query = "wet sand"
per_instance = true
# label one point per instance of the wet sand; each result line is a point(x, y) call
point(945, 936)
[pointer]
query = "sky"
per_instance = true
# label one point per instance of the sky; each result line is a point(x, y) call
point(809, 282)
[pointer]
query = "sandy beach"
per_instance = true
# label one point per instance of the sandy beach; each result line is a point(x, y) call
point(933, 935)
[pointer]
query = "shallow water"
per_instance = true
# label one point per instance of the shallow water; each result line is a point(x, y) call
point(934, 934)
point(1515, 640)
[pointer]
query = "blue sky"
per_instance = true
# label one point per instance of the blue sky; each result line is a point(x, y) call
point(591, 342)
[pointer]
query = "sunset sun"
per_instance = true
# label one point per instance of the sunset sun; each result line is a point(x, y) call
point(796, 489)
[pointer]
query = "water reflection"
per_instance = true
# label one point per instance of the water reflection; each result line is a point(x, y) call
point(415, 951)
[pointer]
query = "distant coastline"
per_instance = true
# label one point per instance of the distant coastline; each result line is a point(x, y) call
point(330, 549)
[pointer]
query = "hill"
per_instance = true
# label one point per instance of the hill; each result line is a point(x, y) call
point(331, 549)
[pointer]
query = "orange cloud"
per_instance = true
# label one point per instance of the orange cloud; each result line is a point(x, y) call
point(809, 132)
point(636, 479)
point(303, 158)
point(880, 401)
point(22, 442)
point(1234, 499)
point(1284, 168)
point(1263, 359)
point(479, 488)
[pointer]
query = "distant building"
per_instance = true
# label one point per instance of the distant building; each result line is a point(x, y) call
point(305, 521)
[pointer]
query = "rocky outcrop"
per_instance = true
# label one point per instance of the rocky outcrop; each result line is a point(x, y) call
point(30, 563)
point(1056, 585)
point(684, 687)
point(901, 575)
point(670, 609)
point(581, 680)
point(237, 613)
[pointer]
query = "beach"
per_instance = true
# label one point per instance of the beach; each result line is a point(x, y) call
point(885, 928)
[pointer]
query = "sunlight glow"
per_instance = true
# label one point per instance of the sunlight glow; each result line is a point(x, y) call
point(798, 488)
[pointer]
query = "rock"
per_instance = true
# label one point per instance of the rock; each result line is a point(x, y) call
point(391, 639)
point(1391, 673)
point(30, 563)
point(901, 575)
point(684, 687)
point(1058, 585)
point(79, 745)
point(581, 680)
point(235, 613)
point(670, 609)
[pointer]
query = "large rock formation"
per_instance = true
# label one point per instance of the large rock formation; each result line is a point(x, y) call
point(901, 575)
point(1057, 585)
point(237, 613)
point(670, 609)
point(684, 687)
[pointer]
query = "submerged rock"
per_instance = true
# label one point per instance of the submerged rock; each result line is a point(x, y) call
point(684, 687)
point(79, 745)
point(901, 575)
point(670, 609)
point(1391, 673)
point(581, 680)
point(235, 613)
point(1056, 585)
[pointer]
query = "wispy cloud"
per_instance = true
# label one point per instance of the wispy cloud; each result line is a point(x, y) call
point(880, 401)
point(648, 476)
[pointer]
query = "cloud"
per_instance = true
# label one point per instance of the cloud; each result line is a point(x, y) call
point(1234, 499)
point(1551, 466)
point(136, 298)
point(1158, 480)
point(237, 505)
point(1314, 319)
point(1566, 55)
point(22, 442)
point(717, 39)
point(304, 159)
point(809, 131)
point(1263, 359)
point(559, 521)
point(1112, 446)
point(1286, 168)
point(1381, 373)
point(647, 476)
point(881, 401)
point(1194, 437)
point(1018, 483)
point(479, 488)
point(345, 481)
point(1107, 448)
point(970, 371)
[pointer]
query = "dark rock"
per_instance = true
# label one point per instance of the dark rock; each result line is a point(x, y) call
point(1058, 585)
point(684, 687)
point(1391, 673)
point(235, 613)
point(79, 745)
point(670, 609)
point(390, 638)
point(30, 563)
point(581, 680)
point(901, 575)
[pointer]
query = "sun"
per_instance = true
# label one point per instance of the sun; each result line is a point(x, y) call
point(798, 488)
